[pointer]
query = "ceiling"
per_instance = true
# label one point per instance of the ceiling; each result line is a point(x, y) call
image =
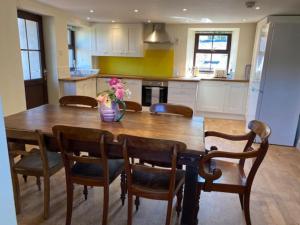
point(171, 11)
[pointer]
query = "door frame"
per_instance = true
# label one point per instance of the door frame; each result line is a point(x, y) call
point(43, 81)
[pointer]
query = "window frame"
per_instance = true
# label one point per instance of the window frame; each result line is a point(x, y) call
point(72, 46)
point(212, 51)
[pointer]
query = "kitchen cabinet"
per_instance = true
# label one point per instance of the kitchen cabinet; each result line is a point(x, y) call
point(134, 85)
point(222, 99)
point(182, 93)
point(83, 87)
point(124, 40)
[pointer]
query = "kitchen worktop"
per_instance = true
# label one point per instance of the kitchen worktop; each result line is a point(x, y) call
point(182, 79)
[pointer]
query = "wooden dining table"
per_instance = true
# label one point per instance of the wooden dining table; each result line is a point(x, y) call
point(143, 124)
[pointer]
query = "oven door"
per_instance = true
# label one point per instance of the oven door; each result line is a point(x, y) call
point(152, 95)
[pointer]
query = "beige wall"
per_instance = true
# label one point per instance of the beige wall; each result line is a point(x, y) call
point(179, 35)
point(11, 80)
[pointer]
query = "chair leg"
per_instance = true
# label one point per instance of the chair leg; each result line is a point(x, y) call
point(169, 212)
point(137, 203)
point(16, 188)
point(247, 208)
point(241, 196)
point(38, 183)
point(129, 216)
point(70, 190)
point(25, 178)
point(85, 192)
point(105, 205)
point(46, 197)
point(123, 187)
point(179, 200)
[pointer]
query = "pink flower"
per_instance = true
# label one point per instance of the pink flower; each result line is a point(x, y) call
point(102, 98)
point(113, 81)
point(120, 93)
point(118, 86)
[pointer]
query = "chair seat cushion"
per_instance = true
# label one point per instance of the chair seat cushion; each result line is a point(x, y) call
point(34, 162)
point(96, 170)
point(158, 182)
point(231, 173)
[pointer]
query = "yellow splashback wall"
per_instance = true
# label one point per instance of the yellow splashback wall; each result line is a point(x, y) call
point(156, 63)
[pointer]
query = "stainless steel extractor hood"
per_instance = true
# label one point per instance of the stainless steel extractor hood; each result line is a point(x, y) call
point(158, 35)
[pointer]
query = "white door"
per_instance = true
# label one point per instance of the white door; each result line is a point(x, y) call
point(236, 97)
point(103, 40)
point(119, 40)
point(135, 40)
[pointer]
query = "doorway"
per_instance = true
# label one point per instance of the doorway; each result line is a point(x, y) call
point(33, 58)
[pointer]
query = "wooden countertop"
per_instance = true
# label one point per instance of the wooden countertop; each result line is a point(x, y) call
point(181, 79)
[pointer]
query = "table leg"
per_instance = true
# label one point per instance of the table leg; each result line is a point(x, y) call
point(191, 195)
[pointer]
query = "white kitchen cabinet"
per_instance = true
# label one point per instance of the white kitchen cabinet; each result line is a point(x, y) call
point(236, 98)
point(182, 93)
point(222, 99)
point(211, 96)
point(83, 87)
point(134, 85)
point(124, 40)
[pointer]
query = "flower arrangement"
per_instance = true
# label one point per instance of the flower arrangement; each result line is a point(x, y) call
point(110, 99)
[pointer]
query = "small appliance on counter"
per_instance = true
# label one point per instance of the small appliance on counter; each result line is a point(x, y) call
point(154, 92)
point(220, 74)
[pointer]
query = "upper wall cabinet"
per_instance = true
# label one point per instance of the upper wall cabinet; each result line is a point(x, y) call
point(117, 40)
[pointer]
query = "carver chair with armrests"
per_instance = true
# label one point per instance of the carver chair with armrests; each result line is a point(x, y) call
point(224, 176)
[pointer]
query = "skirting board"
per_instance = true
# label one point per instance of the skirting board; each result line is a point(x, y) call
point(220, 115)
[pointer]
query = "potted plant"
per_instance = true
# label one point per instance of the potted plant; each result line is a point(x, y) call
point(109, 101)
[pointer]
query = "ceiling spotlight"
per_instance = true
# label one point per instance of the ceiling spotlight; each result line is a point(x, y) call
point(244, 20)
point(88, 18)
point(92, 11)
point(206, 20)
point(184, 10)
point(149, 21)
point(257, 8)
point(250, 4)
point(113, 21)
point(136, 10)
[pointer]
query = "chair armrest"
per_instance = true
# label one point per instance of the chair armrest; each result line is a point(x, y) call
point(217, 173)
point(227, 136)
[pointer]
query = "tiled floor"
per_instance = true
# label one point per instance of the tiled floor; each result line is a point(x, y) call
point(275, 197)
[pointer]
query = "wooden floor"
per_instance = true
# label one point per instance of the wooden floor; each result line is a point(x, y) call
point(275, 197)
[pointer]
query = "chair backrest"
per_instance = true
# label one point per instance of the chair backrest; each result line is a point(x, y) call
point(132, 106)
point(261, 131)
point(162, 151)
point(27, 137)
point(73, 100)
point(73, 141)
point(171, 109)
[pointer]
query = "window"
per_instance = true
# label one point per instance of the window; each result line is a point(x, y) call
point(71, 46)
point(30, 44)
point(212, 51)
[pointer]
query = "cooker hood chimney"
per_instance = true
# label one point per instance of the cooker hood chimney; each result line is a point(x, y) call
point(158, 35)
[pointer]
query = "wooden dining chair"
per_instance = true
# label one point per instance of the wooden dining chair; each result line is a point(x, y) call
point(132, 106)
point(171, 109)
point(149, 182)
point(77, 100)
point(224, 176)
point(94, 169)
point(38, 162)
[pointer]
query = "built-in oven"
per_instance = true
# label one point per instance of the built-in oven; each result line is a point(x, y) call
point(154, 92)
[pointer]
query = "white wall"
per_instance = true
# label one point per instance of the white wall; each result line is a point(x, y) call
point(11, 79)
point(7, 206)
point(179, 35)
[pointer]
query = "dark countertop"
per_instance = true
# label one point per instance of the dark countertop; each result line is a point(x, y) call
point(181, 79)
